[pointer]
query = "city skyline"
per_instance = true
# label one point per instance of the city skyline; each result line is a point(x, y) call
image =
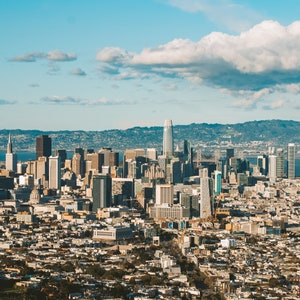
point(119, 64)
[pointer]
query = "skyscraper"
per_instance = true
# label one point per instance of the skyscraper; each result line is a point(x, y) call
point(43, 146)
point(218, 182)
point(10, 158)
point(272, 168)
point(41, 170)
point(54, 173)
point(102, 191)
point(62, 153)
point(151, 153)
point(188, 159)
point(168, 145)
point(262, 162)
point(77, 164)
point(291, 161)
point(229, 153)
point(206, 204)
point(279, 163)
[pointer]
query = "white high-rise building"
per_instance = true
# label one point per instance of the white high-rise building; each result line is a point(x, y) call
point(151, 153)
point(164, 193)
point(54, 172)
point(291, 152)
point(272, 168)
point(10, 157)
point(168, 145)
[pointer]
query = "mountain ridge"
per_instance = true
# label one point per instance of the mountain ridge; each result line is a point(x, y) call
point(277, 133)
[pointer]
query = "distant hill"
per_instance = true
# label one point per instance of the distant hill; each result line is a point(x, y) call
point(276, 133)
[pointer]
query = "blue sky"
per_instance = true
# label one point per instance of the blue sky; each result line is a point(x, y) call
point(115, 64)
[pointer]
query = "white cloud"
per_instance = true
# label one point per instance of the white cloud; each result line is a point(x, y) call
point(67, 100)
point(53, 55)
point(113, 55)
point(105, 101)
point(28, 57)
point(78, 72)
point(245, 103)
point(275, 105)
point(261, 58)
point(293, 88)
point(236, 17)
point(261, 93)
point(57, 55)
point(60, 100)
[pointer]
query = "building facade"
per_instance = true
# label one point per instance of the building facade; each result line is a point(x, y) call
point(168, 145)
point(101, 191)
point(10, 157)
point(43, 146)
point(291, 152)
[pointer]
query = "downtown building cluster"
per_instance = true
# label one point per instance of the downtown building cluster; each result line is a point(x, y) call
point(228, 217)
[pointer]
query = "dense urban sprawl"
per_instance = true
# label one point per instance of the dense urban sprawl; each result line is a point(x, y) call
point(175, 224)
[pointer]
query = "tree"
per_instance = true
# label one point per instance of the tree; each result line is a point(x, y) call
point(120, 291)
point(95, 270)
point(274, 282)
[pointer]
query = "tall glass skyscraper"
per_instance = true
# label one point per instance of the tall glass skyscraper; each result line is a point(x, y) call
point(291, 160)
point(168, 145)
point(43, 146)
point(279, 163)
point(102, 191)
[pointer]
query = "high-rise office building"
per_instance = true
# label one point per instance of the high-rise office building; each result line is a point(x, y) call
point(168, 146)
point(54, 173)
point(229, 153)
point(218, 182)
point(279, 163)
point(43, 146)
point(291, 151)
point(10, 158)
point(102, 191)
point(187, 151)
point(262, 162)
point(77, 164)
point(122, 189)
point(151, 153)
point(188, 159)
point(272, 168)
point(110, 158)
point(41, 170)
point(175, 171)
point(97, 161)
point(79, 154)
point(62, 153)
point(164, 193)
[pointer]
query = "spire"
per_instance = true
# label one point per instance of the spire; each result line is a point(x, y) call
point(9, 145)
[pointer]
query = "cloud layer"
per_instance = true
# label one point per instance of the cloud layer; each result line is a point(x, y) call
point(265, 56)
point(236, 17)
point(53, 55)
point(66, 100)
point(78, 72)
